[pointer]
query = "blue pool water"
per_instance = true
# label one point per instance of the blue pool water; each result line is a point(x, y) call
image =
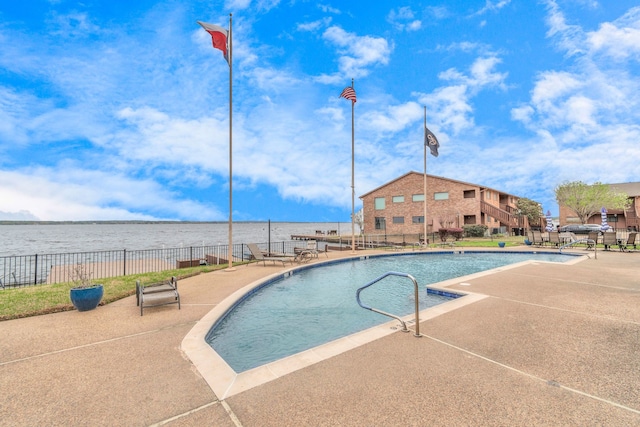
point(317, 304)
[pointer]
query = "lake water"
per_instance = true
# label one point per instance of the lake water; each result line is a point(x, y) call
point(31, 239)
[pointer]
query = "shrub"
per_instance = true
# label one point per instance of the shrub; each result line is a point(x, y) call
point(456, 233)
point(477, 230)
point(444, 233)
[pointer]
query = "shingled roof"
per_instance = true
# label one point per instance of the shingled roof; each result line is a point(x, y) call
point(631, 189)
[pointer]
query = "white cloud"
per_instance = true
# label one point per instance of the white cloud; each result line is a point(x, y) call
point(403, 19)
point(618, 40)
point(272, 80)
point(145, 119)
point(237, 4)
point(77, 194)
point(328, 9)
point(481, 74)
point(581, 111)
point(585, 116)
point(438, 12)
point(523, 114)
point(153, 136)
point(451, 108)
point(578, 105)
point(552, 85)
point(491, 6)
point(74, 24)
point(357, 53)
point(392, 118)
point(314, 25)
point(570, 37)
point(414, 25)
point(22, 215)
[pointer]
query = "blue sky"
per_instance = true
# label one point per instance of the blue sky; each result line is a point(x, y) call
point(119, 109)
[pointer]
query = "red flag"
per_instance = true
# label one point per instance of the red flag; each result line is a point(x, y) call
point(218, 36)
point(349, 93)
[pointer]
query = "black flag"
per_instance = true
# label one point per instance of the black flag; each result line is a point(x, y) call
point(431, 140)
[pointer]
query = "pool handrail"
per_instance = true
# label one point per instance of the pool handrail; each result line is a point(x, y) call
point(417, 302)
point(589, 242)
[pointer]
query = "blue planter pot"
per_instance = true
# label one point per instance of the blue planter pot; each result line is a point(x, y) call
point(85, 299)
point(501, 244)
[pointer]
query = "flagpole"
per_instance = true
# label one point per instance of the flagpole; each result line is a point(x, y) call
point(230, 268)
point(353, 189)
point(425, 177)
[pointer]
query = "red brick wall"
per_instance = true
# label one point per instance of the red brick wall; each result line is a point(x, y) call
point(568, 216)
point(455, 208)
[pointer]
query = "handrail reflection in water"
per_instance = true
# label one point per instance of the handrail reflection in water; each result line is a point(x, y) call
point(417, 303)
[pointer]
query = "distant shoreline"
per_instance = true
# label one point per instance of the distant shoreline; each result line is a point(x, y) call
point(14, 222)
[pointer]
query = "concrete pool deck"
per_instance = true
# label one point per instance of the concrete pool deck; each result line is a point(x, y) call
point(548, 344)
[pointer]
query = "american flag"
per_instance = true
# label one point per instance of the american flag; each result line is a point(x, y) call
point(349, 93)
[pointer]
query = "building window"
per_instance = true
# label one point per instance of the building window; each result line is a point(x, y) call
point(612, 218)
point(418, 197)
point(441, 196)
point(470, 194)
point(398, 220)
point(379, 203)
point(418, 220)
point(398, 199)
point(381, 224)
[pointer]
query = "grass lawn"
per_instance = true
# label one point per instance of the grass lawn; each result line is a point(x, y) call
point(43, 299)
point(487, 242)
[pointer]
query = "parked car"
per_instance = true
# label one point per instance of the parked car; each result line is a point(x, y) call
point(579, 228)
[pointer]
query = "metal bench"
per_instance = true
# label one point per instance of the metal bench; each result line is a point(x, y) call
point(157, 294)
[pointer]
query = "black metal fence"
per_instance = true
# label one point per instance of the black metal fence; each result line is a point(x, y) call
point(28, 270)
point(371, 241)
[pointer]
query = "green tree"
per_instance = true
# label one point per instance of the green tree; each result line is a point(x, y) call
point(358, 218)
point(531, 209)
point(587, 200)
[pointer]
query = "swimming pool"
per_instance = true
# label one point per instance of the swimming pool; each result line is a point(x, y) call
point(316, 304)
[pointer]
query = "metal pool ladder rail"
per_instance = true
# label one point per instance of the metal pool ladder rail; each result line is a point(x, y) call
point(589, 242)
point(415, 285)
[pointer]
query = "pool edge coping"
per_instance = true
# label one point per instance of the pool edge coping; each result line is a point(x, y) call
point(225, 382)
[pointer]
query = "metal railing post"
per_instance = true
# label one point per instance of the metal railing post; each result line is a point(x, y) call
point(35, 271)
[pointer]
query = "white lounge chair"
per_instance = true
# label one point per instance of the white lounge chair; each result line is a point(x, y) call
point(554, 238)
point(536, 238)
point(629, 243)
point(609, 239)
point(312, 247)
point(592, 239)
point(258, 255)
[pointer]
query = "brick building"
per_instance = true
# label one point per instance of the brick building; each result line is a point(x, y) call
point(397, 207)
point(619, 219)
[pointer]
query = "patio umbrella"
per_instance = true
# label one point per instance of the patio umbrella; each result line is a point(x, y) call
point(603, 216)
point(549, 222)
